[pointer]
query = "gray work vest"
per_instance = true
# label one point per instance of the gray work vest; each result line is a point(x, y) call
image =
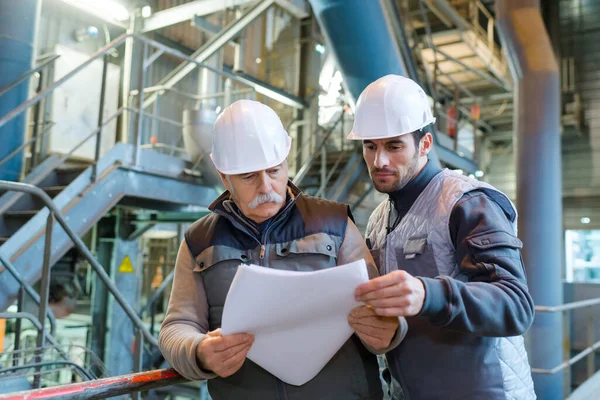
point(306, 235)
point(431, 359)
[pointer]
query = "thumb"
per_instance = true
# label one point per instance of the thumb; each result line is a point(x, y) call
point(215, 333)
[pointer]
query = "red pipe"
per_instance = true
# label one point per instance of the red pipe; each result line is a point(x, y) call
point(102, 388)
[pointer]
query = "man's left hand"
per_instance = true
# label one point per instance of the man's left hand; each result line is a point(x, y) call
point(374, 330)
point(395, 294)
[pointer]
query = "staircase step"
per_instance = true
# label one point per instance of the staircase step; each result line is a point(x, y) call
point(54, 190)
point(21, 214)
point(67, 173)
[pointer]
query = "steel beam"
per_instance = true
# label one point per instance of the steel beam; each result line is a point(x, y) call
point(212, 46)
point(453, 160)
point(186, 12)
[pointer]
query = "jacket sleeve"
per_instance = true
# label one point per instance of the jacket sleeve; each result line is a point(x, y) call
point(354, 248)
point(186, 321)
point(490, 297)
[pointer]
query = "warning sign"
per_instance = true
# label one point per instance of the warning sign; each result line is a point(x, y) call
point(126, 266)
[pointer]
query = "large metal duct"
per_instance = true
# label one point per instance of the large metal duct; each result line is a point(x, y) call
point(18, 23)
point(538, 164)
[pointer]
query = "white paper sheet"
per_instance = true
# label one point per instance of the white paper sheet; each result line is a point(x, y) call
point(299, 319)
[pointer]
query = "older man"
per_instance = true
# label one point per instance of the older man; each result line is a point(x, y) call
point(263, 219)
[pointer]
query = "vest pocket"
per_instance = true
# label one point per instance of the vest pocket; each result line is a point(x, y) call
point(313, 252)
point(217, 265)
point(416, 257)
point(217, 254)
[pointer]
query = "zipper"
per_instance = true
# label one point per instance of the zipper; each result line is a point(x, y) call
point(261, 242)
point(281, 390)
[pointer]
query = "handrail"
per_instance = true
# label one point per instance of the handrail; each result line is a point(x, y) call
point(569, 306)
point(579, 356)
point(27, 74)
point(25, 144)
point(308, 163)
point(105, 50)
point(32, 293)
point(40, 96)
point(103, 388)
point(36, 191)
point(32, 318)
point(163, 88)
point(569, 362)
point(157, 293)
point(80, 370)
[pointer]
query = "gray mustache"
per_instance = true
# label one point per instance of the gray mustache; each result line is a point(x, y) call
point(271, 197)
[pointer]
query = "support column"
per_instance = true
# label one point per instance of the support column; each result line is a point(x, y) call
point(18, 28)
point(131, 69)
point(539, 190)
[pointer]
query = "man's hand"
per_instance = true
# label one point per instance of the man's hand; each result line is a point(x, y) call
point(223, 355)
point(395, 294)
point(372, 329)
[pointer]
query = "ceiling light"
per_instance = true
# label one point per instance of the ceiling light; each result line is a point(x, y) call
point(146, 11)
point(105, 9)
point(585, 220)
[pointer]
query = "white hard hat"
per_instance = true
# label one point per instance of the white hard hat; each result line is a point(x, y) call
point(248, 136)
point(389, 107)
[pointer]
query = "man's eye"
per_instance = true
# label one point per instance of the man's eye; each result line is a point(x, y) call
point(370, 146)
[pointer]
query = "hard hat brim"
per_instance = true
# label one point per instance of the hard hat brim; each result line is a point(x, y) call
point(354, 136)
point(258, 168)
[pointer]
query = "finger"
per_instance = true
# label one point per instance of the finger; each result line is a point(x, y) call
point(393, 312)
point(362, 312)
point(386, 292)
point(373, 341)
point(377, 331)
point(233, 364)
point(378, 322)
point(228, 341)
point(389, 302)
point(379, 283)
point(232, 351)
point(215, 333)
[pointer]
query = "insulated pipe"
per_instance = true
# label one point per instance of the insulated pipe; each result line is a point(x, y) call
point(538, 163)
point(360, 39)
point(18, 20)
point(359, 35)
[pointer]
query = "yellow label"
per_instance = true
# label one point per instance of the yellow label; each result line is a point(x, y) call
point(2, 328)
point(126, 266)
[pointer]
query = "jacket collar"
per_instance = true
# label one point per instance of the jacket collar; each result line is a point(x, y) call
point(227, 208)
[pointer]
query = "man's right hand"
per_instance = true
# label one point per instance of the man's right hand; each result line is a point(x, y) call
point(223, 355)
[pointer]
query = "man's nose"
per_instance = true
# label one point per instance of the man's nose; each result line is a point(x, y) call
point(381, 159)
point(265, 182)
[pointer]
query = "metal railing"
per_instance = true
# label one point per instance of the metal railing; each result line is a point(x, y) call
point(139, 108)
point(103, 388)
point(151, 305)
point(307, 165)
point(31, 72)
point(588, 351)
point(138, 111)
point(55, 213)
point(36, 136)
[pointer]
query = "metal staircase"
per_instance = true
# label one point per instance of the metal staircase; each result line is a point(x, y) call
point(157, 178)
